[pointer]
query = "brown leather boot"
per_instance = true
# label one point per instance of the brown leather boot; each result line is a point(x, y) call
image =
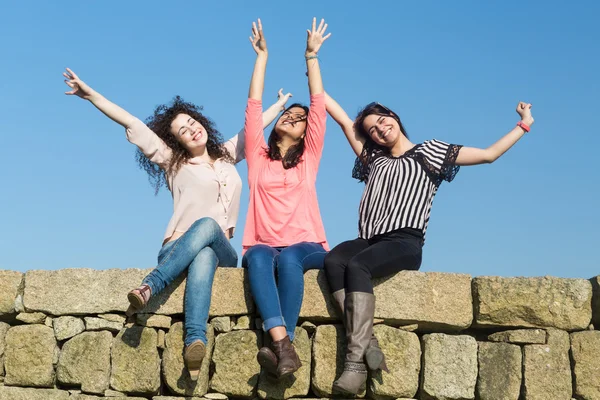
point(360, 309)
point(268, 360)
point(374, 355)
point(288, 361)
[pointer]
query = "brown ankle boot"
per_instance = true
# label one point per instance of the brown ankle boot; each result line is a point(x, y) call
point(288, 361)
point(268, 360)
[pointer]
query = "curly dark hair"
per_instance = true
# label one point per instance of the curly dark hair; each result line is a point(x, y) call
point(160, 123)
point(362, 164)
point(294, 154)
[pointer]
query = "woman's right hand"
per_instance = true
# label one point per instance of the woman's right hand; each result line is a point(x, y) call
point(259, 44)
point(80, 88)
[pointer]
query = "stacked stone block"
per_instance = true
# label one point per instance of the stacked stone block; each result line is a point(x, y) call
point(64, 335)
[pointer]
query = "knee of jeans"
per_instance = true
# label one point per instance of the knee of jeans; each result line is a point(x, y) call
point(288, 260)
point(205, 224)
point(203, 264)
point(255, 255)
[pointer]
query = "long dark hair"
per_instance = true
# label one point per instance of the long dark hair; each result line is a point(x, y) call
point(160, 123)
point(362, 164)
point(294, 154)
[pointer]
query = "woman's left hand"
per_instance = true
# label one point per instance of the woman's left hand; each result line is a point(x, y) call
point(316, 37)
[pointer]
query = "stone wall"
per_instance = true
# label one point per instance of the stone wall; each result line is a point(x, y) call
point(64, 335)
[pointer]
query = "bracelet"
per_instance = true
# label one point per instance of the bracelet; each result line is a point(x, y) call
point(311, 57)
point(523, 126)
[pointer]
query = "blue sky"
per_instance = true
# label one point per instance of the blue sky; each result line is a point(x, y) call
point(73, 196)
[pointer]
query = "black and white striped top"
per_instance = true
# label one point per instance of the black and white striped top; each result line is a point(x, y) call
point(399, 191)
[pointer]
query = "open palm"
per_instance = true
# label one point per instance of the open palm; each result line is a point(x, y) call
point(259, 44)
point(316, 36)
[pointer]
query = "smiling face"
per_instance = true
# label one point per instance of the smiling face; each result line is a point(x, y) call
point(384, 130)
point(189, 132)
point(292, 123)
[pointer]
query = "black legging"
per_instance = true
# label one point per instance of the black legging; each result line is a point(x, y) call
point(354, 263)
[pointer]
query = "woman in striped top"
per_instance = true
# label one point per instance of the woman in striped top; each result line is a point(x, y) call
point(401, 180)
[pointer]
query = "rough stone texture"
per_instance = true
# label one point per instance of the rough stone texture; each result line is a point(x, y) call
point(113, 393)
point(31, 318)
point(499, 371)
point(175, 374)
point(48, 322)
point(4, 327)
point(153, 320)
point(101, 324)
point(85, 361)
point(80, 291)
point(309, 327)
point(449, 367)
point(215, 396)
point(297, 385)
point(520, 336)
point(433, 300)
point(328, 359)
point(177, 398)
point(66, 327)
point(547, 369)
point(29, 356)
point(221, 324)
point(585, 349)
point(403, 357)
point(17, 393)
point(243, 322)
point(236, 369)
point(81, 396)
point(532, 302)
point(19, 306)
point(61, 292)
point(135, 361)
point(160, 339)
point(596, 300)
point(9, 288)
point(114, 317)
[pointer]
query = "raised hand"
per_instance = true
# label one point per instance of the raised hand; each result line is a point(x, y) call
point(316, 37)
point(80, 88)
point(524, 110)
point(282, 98)
point(259, 44)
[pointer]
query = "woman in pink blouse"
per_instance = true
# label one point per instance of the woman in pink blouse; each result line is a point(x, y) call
point(284, 234)
point(182, 149)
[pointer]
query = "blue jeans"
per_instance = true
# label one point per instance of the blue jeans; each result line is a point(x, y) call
point(199, 251)
point(279, 301)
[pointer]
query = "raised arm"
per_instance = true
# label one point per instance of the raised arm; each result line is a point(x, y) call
point(475, 156)
point(137, 132)
point(236, 144)
point(339, 115)
point(253, 125)
point(108, 108)
point(257, 84)
point(313, 43)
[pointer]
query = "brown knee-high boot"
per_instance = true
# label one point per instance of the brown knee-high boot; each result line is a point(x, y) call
point(374, 355)
point(360, 310)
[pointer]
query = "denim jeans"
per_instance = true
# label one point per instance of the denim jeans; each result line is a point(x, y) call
point(199, 251)
point(279, 301)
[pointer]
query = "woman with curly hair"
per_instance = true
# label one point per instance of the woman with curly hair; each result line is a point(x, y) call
point(284, 234)
point(401, 179)
point(180, 148)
